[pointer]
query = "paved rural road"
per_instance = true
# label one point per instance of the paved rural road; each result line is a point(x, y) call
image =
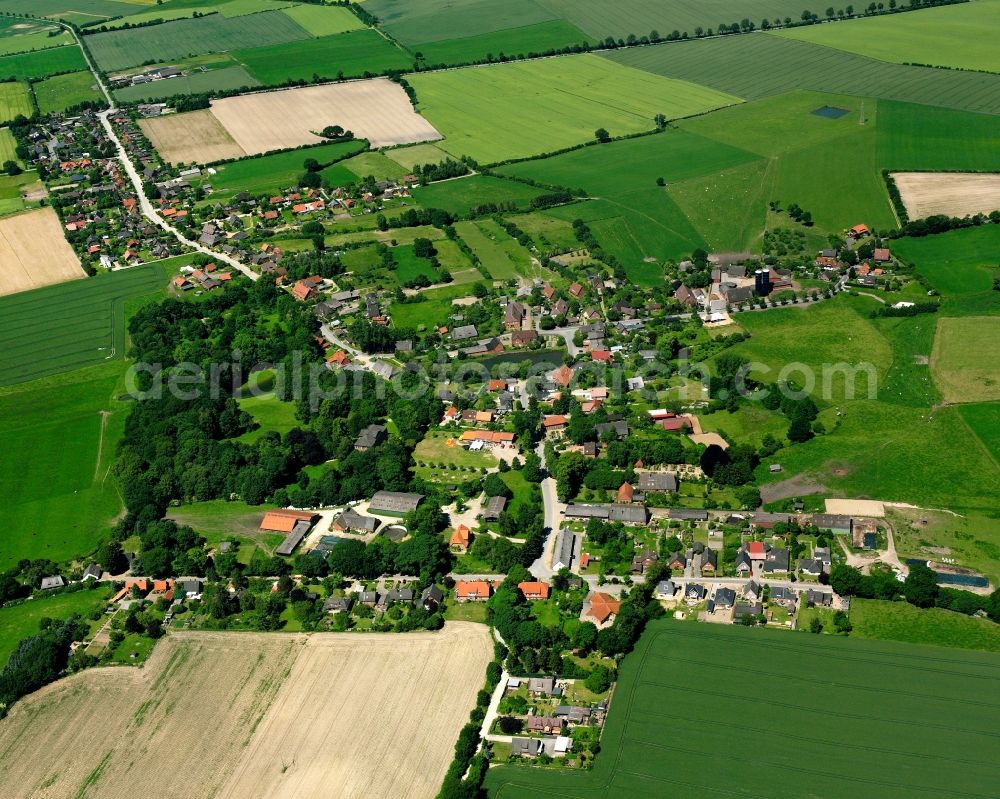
point(554, 509)
point(150, 212)
point(145, 205)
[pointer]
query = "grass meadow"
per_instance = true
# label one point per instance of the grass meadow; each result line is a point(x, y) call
point(538, 39)
point(458, 196)
point(61, 500)
point(15, 100)
point(965, 357)
point(60, 92)
point(480, 110)
point(984, 420)
point(762, 65)
point(116, 50)
point(322, 20)
point(499, 255)
point(269, 174)
point(960, 265)
point(962, 36)
point(866, 741)
point(901, 621)
point(352, 54)
point(18, 622)
point(29, 42)
point(188, 8)
point(271, 413)
point(41, 64)
point(78, 11)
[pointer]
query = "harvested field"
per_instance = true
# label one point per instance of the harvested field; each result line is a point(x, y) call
point(292, 716)
point(194, 137)
point(33, 252)
point(377, 110)
point(856, 507)
point(951, 193)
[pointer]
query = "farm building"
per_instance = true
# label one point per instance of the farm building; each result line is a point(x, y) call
point(350, 521)
point(370, 437)
point(284, 521)
point(460, 539)
point(534, 590)
point(394, 503)
point(562, 557)
point(494, 508)
point(835, 523)
point(662, 482)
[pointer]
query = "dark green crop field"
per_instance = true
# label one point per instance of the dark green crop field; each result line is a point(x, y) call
point(42, 63)
point(760, 65)
point(710, 711)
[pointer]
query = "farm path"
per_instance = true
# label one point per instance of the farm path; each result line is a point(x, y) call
point(100, 444)
point(873, 296)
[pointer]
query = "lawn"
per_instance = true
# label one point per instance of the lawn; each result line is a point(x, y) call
point(901, 621)
point(15, 100)
point(56, 94)
point(273, 415)
point(181, 38)
point(883, 706)
point(761, 65)
point(269, 174)
point(460, 195)
point(433, 450)
point(18, 622)
point(41, 64)
point(963, 36)
point(537, 39)
point(960, 265)
point(218, 520)
point(466, 611)
point(480, 110)
point(195, 82)
point(352, 54)
point(965, 357)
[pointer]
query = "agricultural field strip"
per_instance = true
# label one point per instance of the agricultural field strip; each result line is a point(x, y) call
point(758, 65)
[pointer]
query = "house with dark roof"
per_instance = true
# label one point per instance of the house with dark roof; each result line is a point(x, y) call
point(785, 596)
point(776, 560)
point(526, 747)
point(431, 598)
point(834, 522)
point(694, 592)
point(494, 508)
point(370, 437)
point(724, 598)
point(818, 599)
point(663, 482)
point(394, 503)
point(810, 567)
point(351, 521)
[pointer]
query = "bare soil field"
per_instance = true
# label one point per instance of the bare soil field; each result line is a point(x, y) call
point(193, 137)
point(856, 507)
point(215, 715)
point(952, 193)
point(34, 252)
point(377, 110)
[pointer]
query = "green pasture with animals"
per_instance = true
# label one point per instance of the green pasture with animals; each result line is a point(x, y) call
point(869, 739)
point(480, 110)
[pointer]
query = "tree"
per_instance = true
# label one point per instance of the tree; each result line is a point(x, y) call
point(815, 626)
point(800, 430)
point(12, 168)
point(509, 725)
point(111, 557)
point(920, 587)
point(660, 120)
point(599, 680)
point(602, 135)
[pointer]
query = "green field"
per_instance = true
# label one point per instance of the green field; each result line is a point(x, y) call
point(116, 50)
point(15, 100)
point(61, 500)
point(537, 39)
point(29, 42)
point(458, 196)
point(322, 21)
point(11, 188)
point(268, 174)
point(352, 54)
point(60, 92)
point(960, 264)
point(854, 718)
point(409, 265)
point(761, 65)
point(8, 146)
point(21, 621)
point(182, 9)
point(480, 110)
point(77, 11)
point(374, 164)
point(632, 217)
point(965, 357)
point(984, 419)
point(225, 79)
point(41, 64)
point(901, 621)
point(271, 413)
point(962, 36)
point(500, 255)
point(416, 22)
point(88, 330)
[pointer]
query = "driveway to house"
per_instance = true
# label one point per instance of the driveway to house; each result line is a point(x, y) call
point(554, 509)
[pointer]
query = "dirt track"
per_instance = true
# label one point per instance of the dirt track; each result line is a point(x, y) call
point(377, 110)
point(950, 193)
point(253, 715)
point(34, 252)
